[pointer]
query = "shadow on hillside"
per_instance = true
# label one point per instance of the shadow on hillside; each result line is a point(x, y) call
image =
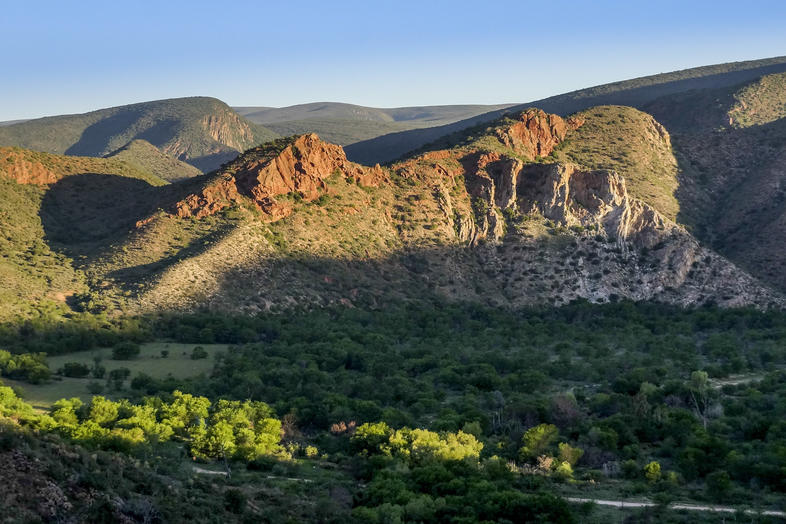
point(551, 270)
point(729, 188)
point(208, 163)
point(95, 208)
point(390, 147)
point(96, 140)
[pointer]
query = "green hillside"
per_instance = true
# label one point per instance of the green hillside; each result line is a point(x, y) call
point(147, 157)
point(34, 271)
point(632, 143)
point(345, 124)
point(203, 132)
point(636, 92)
point(730, 144)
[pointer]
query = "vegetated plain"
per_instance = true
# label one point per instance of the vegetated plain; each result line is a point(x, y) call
point(156, 359)
point(515, 314)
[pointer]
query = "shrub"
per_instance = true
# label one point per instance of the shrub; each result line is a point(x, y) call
point(74, 370)
point(119, 374)
point(234, 500)
point(125, 351)
point(198, 353)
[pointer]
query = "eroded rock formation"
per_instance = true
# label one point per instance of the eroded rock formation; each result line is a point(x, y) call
point(301, 168)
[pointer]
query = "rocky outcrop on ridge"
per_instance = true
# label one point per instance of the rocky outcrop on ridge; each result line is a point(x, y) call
point(299, 169)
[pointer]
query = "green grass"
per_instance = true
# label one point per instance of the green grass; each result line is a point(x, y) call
point(178, 364)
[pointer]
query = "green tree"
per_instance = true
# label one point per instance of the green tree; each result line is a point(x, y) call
point(538, 439)
point(700, 391)
point(652, 472)
point(718, 484)
point(126, 351)
point(569, 454)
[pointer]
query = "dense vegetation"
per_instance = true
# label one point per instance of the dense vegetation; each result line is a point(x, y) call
point(512, 407)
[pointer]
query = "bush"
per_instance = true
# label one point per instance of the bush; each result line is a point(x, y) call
point(119, 374)
point(198, 353)
point(126, 351)
point(95, 388)
point(74, 370)
point(234, 500)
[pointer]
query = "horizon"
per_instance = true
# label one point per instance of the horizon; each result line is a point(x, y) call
point(251, 105)
point(389, 55)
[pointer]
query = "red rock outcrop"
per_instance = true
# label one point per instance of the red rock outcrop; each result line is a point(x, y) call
point(300, 168)
point(25, 171)
point(536, 133)
point(212, 199)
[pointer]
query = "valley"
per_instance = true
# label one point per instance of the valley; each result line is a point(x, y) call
point(502, 313)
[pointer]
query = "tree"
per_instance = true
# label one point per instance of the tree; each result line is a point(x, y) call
point(652, 472)
point(718, 484)
point(700, 394)
point(75, 370)
point(103, 411)
point(569, 454)
point(538, 439)
point(198, 353)
point(125, 351)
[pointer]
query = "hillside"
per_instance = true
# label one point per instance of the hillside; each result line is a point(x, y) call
point(203, 132)
point(147, 157)
point(636, 93)
point(731, 146)
point(506, 216)
point(345, 124)
point(35, 273)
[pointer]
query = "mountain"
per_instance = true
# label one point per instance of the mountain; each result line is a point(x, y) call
point(345, 124)
point(731, 147)
point(636, 93)
point(530, 209)
point(203, 132)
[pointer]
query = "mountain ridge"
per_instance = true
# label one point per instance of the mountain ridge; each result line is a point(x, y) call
point(634, 92)
point(201, 131)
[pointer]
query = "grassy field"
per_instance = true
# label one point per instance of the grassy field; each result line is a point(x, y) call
point(178, 363)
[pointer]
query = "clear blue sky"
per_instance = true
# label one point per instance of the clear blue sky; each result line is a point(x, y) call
point(67, 57)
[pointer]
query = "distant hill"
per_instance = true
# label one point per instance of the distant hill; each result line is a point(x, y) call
point(636, 93)
point(345, 124)
point(147, 157)
point(200, 131)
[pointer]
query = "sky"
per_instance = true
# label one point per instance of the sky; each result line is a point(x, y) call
point(61, 57)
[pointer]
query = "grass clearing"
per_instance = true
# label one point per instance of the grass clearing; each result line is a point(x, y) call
point(178, 363)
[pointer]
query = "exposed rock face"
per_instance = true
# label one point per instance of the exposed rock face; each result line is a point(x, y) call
point(300, 168)
point(570, 196)
point(536, 133)
point(25, 171)
point(229, 129)
point(212, 199)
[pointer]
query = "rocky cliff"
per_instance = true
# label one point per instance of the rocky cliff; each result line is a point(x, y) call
point(296, 168)
point(497, 217)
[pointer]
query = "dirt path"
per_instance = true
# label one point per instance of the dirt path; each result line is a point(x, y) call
point(689, 507)
point(197, 469)
point(204, 471)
